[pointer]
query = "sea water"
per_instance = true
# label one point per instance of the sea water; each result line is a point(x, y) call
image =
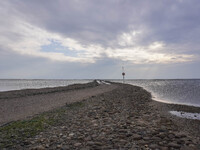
point(18, 84)
point(187, 115)
point(178, 91)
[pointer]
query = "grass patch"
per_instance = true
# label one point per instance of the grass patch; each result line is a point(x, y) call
point(75, 105)
point(16, 132)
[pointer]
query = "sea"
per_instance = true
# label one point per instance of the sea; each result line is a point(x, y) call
point(177, 91)
point(19, 84)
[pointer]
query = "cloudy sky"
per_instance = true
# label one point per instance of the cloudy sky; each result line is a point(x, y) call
point(78, 39)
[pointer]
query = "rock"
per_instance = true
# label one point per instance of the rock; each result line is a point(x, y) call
point(122, 141)
point(143, 142)
point(137, 137)
point(77, 144)
point(65, 147)
point(156, 138)
point(179, 135)
point(64, 136)
point(26, 143)
point(181, 142)
point(59, 146)
point(98, 143)
point(47, 146)
point(174, 145)
point(188, 148)
point(191, 145)
point(161, 135)
point(88, 138)
point(90, 143)
point(164, 148)
point(153, 146)
point(95, 124)
point(146, 138)
point(32, 142)
point(40, 147)
point(71, 134)
point(94, 136)
point(171, 136)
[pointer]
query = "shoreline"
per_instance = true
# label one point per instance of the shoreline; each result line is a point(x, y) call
point(122, 117)
point(191, 126)
point(173, 103)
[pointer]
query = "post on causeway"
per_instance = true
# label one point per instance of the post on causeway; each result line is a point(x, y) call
point(123, 74)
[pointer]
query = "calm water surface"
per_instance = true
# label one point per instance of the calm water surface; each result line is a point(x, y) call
point(182, 91)
point(15, 84)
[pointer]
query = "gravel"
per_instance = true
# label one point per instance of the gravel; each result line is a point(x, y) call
point(122, 118)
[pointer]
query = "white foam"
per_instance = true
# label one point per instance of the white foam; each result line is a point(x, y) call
point(102, 82)
point(99, 82)
point(105, 82)
point(186, 115)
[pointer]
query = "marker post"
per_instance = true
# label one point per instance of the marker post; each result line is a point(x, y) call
point(123, 74)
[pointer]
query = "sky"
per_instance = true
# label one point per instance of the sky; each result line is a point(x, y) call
point(93, 39)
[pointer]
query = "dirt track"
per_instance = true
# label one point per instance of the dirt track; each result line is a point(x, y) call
point(27, 103)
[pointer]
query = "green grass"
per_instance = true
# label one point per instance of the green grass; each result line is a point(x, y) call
point(19, 131)
point(75, 105)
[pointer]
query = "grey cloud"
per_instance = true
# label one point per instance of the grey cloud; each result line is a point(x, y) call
point(13, 65)
point(94, 21)
point(78, 19)
point(174, 22)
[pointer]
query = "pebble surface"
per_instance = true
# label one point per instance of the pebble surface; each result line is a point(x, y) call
point(119, 119)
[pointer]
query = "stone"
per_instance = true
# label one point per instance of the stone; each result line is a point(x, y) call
point(71, 134)
point(47, 146)
point(181, 142)
point(90, 143)
point(40, 147)
point(164, 148)
point(179, 135)
point(122, 141)
point(171, 136)
point(98, 143)
point(156, 138)
point(174, 145)
point(32, 142)
point(153, 146)
point(137, 137)
point(187, 148)
point(191, 145)
point(77, 144)
point(59, 146)
point(161, 135)
point(88, 138)
point(143, 142)
point(146, 138)
point(95, 124)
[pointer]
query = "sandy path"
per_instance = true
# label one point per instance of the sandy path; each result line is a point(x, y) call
point(19, 108)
